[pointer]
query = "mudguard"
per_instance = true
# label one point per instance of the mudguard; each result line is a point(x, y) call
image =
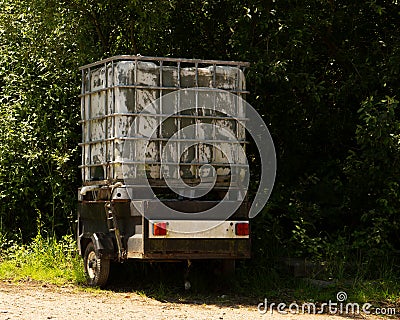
point(103, 245)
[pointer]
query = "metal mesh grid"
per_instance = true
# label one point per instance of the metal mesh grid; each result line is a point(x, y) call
point(106, 117)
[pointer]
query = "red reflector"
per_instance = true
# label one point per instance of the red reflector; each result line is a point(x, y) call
point(242, 229)
point(160, 228)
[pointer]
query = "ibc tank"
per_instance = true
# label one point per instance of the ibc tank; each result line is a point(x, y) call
point(116, 90)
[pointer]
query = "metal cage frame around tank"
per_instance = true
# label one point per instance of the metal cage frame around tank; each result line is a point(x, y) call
point(110, 86)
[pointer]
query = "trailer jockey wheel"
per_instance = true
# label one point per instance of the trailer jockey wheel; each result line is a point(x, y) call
point(96, 269)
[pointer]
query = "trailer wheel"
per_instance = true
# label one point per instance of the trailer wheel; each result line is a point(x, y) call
point(97, 269)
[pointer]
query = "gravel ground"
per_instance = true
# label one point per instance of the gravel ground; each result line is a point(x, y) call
point(30, 300)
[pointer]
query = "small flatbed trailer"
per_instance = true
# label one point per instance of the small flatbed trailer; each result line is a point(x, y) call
point(128, 208)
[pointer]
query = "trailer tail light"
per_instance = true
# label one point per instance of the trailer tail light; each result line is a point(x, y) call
point(160, 229)
point(242, 229)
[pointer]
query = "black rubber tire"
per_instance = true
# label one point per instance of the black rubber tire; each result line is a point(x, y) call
point(96, 269)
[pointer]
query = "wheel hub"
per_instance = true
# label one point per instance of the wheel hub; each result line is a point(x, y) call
point(92, 265)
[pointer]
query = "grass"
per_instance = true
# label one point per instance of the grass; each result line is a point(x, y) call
point(381, 289)
point(57, 262)
point(44, 259)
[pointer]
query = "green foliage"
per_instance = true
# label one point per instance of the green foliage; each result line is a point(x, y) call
point(316, 66)
point(44, 259)
point(324, 75)
point(39, 114)
point(373, 173)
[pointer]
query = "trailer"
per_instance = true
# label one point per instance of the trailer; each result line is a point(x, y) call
point(163, 162)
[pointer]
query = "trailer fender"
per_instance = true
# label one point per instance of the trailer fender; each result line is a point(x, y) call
point(103, 246)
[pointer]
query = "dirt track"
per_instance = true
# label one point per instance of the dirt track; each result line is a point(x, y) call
point(36, 301)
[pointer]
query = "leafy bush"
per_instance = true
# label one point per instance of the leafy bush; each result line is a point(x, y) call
point(324, 75)
point(39, 115)
point(44, 259)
